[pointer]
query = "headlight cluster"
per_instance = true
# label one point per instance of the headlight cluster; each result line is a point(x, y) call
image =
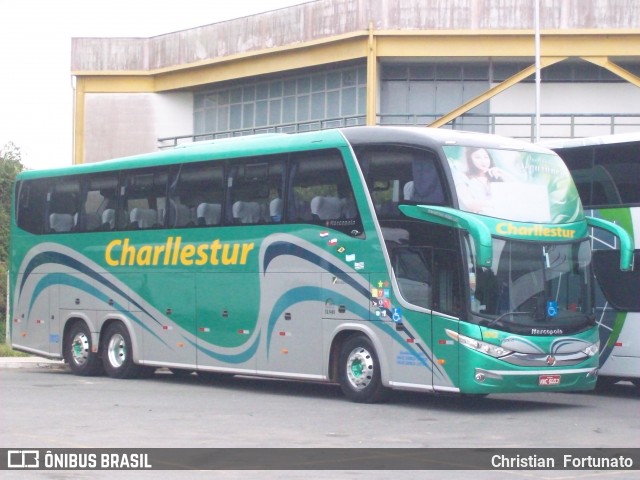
point(592, 349)
point(483, 347)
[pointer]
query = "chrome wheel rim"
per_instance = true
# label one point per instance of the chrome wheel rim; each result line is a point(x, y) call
point(80, 346)
point(117, 350)
point(360, 368)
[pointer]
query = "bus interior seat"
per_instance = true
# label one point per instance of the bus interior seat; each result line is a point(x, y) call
point(407, 191)
point(92, 221)
point(275, 210)
point(61, 222)
point(326, 208)
point(208, 214)
point(181, 214)
point(143, 218)
point(108, 219)
point(246, 212)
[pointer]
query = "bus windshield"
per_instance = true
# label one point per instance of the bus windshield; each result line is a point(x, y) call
point(518, 185)
point(533, 288)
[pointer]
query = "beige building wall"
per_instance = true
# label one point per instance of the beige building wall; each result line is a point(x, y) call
point(132, 91)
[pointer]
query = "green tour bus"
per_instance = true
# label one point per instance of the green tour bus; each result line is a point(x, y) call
point(606, 171)
point(377, 258)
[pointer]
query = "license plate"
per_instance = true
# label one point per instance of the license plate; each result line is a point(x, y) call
point(548, 380)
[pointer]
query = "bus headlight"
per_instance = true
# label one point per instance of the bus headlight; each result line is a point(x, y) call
point(480, 346)
point(592, 349)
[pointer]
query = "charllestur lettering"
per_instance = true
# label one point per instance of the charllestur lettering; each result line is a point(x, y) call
point(508, 228)
point(120, 253)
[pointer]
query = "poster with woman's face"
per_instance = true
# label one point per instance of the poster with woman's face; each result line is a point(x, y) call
point(514, 185)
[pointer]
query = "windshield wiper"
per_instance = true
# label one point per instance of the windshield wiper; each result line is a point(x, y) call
point(497, 319)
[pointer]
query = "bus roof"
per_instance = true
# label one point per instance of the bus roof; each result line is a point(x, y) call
point(592, 141)
point(435, 137)
point(273, 143)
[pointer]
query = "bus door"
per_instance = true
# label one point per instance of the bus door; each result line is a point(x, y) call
point(408, 314)
point(166, 308)
point(429, 283)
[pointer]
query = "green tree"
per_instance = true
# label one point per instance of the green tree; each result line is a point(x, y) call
point(10, 166)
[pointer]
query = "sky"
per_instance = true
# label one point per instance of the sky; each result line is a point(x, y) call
point(36, 92)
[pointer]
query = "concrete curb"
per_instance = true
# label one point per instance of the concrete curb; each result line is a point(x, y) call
point(31, 362)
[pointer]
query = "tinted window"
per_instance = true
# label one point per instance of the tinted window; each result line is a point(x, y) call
point(197, 195)
point(605, 175)
point(619, 288)
point(320, 192)
point(30, 205)
point(256, 191)
point(144, 201)
point(398, 175)
point(99, 201)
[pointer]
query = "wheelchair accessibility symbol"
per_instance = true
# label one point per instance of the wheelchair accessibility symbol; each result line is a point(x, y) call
point(552, 308)
point(396, 315)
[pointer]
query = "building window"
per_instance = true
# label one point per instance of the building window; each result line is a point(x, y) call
point(285, 102)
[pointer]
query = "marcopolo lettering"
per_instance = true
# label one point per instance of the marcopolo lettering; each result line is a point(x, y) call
point(120, 253)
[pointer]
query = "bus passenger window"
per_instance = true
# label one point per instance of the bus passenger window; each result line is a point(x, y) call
point(255, 188)
point(30, 203)
point(62, 205)
point(320, 192)
point(196, 195)
point(99, 202)
point(144, 203)
point(397, 175)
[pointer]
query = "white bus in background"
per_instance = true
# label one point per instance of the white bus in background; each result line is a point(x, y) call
point(606, 171)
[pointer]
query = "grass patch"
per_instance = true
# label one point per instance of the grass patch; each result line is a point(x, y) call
point(7, 351)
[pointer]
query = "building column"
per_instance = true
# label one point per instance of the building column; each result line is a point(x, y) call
point(372, 79)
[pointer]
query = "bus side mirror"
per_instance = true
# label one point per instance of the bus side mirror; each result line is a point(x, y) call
point(479, 232)
point(626, 245)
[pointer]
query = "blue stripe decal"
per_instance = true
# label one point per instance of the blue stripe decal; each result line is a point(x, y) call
point(279, 248)
point(71, 281)
point(62, 259)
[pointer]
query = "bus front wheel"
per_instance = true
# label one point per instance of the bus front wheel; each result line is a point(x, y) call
point(78, 351)
point(117, 353)
point(359, 371)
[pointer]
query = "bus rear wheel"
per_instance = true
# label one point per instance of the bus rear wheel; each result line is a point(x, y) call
point(117, 353)
point(359, 371)
point(78, 351)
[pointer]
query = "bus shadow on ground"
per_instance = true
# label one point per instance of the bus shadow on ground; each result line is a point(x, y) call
point(446, 402)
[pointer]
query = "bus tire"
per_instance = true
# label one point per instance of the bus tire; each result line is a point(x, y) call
point(78, 351)
point(117, 353)
point(359, 371)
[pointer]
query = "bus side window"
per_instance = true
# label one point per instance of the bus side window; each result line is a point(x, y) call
point(320, 192)
point(397, 175)
point(99, 202)
point(63, 205)
point(255, 188)
point(30, 206)
point(196, 195)
point(144, 203)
